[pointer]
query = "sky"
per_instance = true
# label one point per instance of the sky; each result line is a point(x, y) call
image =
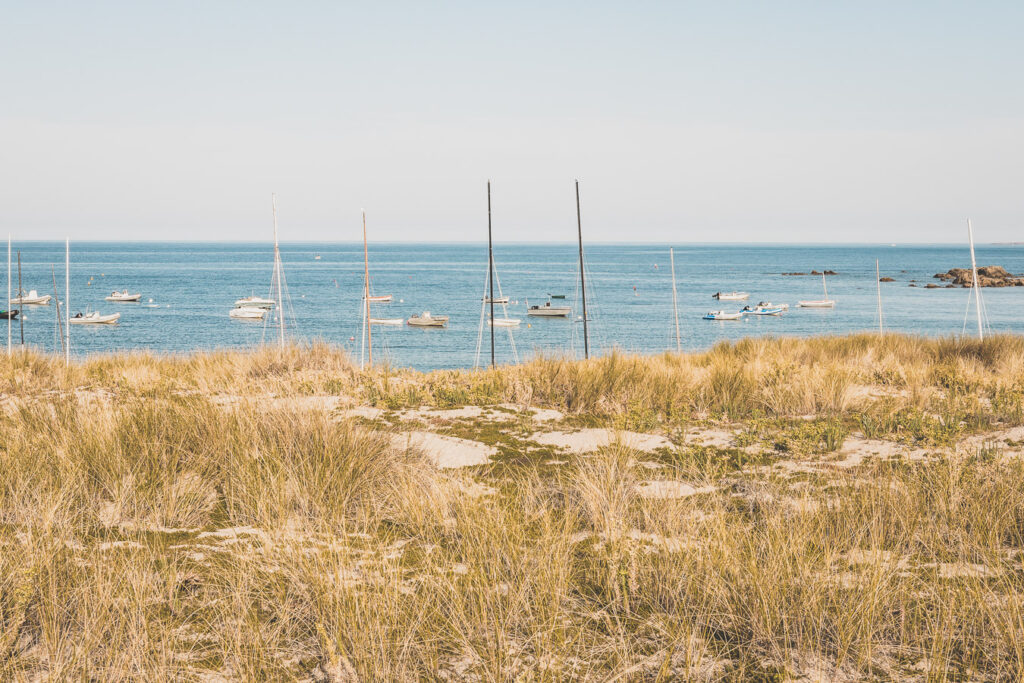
point(683, 121)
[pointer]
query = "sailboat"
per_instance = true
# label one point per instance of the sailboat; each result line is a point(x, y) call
point(278, 290)
point(489, 300)
point(819, 303)
point(583, 280)
point(366, 350)
point(979, 305)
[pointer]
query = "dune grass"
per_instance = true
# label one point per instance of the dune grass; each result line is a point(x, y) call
point(202, 518)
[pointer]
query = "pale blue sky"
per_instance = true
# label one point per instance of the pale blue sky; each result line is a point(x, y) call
point(713, 121)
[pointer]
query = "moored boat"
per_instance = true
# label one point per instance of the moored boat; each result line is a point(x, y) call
point(722, 315)
point(123, 295)
point(31, 298)
point(819, 303)
point(769, 304)
point(248, 312)
point(386, 321)
point(255, 302)
point(425, 319)
point(762, 310)
point(730, 296)
point(379, 299)
point(549, 311)
point(9, 315)
point(94, 318)
point(504, 322)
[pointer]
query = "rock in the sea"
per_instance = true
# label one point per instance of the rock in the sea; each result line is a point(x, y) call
point(886, 279)
point(988, 276)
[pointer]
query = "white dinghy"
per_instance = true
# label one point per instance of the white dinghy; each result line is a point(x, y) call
point(427, 320)
point(255, 302)
point(722, 315)
point(124, 295)
point(248, 313)
point(94, 318)
point(32, 298)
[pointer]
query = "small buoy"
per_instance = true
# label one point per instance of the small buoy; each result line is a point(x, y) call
point(150, 301)
point(401, 301)
point(351, 338)
point(529, 325)
point(102, 275)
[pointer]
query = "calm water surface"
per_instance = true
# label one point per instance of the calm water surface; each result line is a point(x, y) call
point(193, 285)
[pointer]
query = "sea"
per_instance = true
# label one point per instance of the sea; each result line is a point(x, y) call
point(189, 288)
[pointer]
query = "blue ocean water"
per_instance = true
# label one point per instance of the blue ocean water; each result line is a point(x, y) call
point(193, 286)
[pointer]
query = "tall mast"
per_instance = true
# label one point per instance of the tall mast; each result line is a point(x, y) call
point(823, 283)
point(67, 301)
point(8, 306)
point(21, 318)
point(277, 275)
point(675, 304)
point(366, 291)
point(583, 282)
point(490, 268)
point(56, 309)
point(878, 284)
point(974, 279)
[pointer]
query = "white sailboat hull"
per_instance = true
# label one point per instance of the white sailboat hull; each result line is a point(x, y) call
point(504, 322)
point(386, 321)
point(825, 303)
point(124, 297)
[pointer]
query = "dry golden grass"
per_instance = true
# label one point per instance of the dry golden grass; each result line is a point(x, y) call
point(198, 518)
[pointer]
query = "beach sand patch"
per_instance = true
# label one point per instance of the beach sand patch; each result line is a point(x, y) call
point(663, 489)
point(445, 451)
point(589, 440)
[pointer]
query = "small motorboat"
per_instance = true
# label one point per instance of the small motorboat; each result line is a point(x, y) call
point(769, 304)
point(504, 322)
point(762, 310)
point(33, 298)
point(123, 295)
point(9, 315)
point(94, 318)
point(248, 312)
point(722, 315)
point(730, 296)
point(255, 302)
point(426, 320)
point(379, 299)
point(386, 321)
point(497, 300)
point(317, 257)
point(549, 311)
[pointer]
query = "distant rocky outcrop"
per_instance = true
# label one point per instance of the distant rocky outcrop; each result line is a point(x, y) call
point(815, 272)
point(886, 279)
point(988, 276)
